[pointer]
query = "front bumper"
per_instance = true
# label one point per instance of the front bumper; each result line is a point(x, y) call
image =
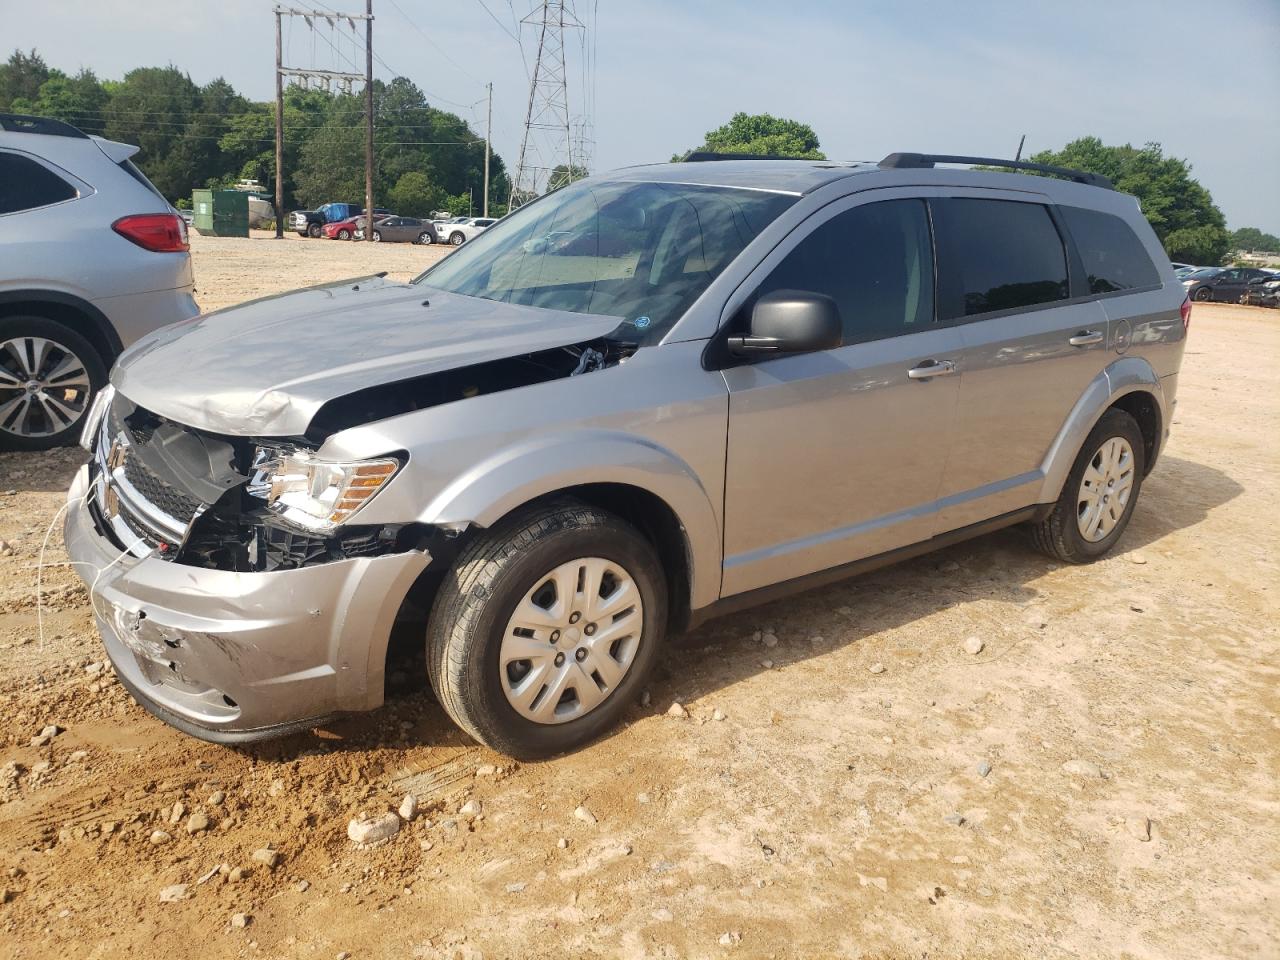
point(232, 657)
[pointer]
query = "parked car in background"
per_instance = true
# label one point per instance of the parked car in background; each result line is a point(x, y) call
point(459, 231)
point(1224, 284)
point(1263, 291)
point(311, 223)
point(537, 466)
point(403, 230)
point(344, 229)
point(1184, 271)
point(92, 257)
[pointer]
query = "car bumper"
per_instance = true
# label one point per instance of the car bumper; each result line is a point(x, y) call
point(233, 657)
point(138, 314)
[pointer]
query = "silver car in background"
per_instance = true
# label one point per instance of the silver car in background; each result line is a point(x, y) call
point(92, 257)
point(724, 382)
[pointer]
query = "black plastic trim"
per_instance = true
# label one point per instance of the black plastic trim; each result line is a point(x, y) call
point(919, 161)
point(104, 328)
point(25, 123)
point(822, 578)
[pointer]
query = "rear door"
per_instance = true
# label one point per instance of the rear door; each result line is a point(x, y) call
point(837, 455)
point(1030, 349)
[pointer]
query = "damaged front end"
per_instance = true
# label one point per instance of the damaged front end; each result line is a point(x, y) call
point(225, 503)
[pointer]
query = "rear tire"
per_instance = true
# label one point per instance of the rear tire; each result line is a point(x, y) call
point(473, 629)
point(69, 373)
point(1100, 493)
point(424, 238)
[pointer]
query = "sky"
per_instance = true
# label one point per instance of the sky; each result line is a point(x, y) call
point(967, 76)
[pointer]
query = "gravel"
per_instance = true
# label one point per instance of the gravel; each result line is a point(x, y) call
point(585, 815)
point(974, 645)
point(379, 828)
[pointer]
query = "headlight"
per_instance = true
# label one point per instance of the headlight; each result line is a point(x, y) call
point(93, 420)
point(317, 494)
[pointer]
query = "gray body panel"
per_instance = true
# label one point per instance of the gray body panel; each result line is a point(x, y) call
point(774, 469)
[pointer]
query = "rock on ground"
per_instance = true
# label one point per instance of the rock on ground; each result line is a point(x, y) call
point(383, 827)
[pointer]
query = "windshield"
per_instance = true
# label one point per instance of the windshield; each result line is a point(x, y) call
point(642, 252)
point(1204, 272)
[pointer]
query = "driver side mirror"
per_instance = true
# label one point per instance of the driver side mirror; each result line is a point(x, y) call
point(790, 321)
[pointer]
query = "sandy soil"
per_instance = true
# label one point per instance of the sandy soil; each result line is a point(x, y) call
point(1101, 780)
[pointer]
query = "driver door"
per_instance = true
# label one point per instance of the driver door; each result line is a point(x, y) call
point(838, 455)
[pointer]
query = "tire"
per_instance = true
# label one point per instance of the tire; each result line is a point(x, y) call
point(65, 358)
point(344, 234)
point(1203, 294)
point(424, 238)
point(313, 230)
point(1060, 535)
point(472, 621)
point(457, 238)
point(377, 236)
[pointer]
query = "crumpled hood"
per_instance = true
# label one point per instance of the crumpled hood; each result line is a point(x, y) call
point(265, 367)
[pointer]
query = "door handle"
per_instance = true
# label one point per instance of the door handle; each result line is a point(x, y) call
point(1086, 338)
point(932, 368)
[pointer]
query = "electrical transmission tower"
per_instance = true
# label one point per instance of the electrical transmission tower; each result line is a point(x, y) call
point(548, 141)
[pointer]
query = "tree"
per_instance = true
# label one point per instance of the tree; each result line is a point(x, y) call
point(562, 174)
point(764, 134)
point(1180, 210)
point(21, 78)
point(79, 100)
point(1251, 238)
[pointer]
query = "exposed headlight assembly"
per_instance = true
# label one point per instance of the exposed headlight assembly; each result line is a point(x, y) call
point(313, 493)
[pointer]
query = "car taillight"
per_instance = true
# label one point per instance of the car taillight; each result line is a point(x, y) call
point(1186, 313)
point(161, 232)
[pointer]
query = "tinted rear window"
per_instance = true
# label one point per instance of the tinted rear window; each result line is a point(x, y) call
point(996, 255)
point(132, 170)
point(1114, 258)
point(25, 184)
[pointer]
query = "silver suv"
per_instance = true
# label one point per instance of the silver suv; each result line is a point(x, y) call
point(91, 258)
point(724, 382)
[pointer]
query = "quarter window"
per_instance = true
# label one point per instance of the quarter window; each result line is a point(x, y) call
point(25, 184)
point(875, 261)
point(996, 255)
point(1114, 258)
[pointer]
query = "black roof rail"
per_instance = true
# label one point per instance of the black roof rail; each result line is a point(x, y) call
point(704, 156)
point(21, 123)
point(917, 161)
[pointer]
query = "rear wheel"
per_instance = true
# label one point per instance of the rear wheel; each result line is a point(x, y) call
point(424, 237)
point(1204, 294)
point(48, 376)
point(1099, 496)
point(546, 628)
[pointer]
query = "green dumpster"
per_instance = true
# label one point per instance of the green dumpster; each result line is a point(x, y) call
point(220, 213)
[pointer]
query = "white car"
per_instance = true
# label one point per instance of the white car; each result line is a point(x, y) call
point(461, 229)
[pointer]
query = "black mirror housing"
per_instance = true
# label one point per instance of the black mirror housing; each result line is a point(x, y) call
point(791, 321)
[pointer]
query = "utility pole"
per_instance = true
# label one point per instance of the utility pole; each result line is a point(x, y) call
point(488, 140)
point(325, 78)
point(368, 120)
point(279, 135)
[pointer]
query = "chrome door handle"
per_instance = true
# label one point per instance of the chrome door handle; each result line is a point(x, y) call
point(932, 368)
point(1086, 338)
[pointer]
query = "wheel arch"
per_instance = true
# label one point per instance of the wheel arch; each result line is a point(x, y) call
point(1129, 384)
point(75, 312)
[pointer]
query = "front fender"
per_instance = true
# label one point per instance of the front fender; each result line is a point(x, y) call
point(491, 489)
point(1125, 375)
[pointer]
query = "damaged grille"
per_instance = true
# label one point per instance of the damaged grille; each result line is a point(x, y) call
point(155, 491)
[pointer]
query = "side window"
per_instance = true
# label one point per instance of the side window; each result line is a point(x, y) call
point(875, 261)
point(25, 184)
point(1114, 258)
point(996, 255)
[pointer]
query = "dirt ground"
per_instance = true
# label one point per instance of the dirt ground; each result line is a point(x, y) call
point(1100, 780)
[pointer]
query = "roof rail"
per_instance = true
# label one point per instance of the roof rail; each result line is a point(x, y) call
point(917, 161)
point(21, 123)
point(704, 156)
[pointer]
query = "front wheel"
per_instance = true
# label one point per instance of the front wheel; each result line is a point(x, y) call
point(457, 239)
point(377, 237)
point(424, 238)
point(1099, 496)
point(1204, 295)
point(344, 234)
point(313, 230)
point(48, 376)
point(546, 628)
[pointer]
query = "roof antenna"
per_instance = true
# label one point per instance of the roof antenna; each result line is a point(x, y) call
point(1018, 155)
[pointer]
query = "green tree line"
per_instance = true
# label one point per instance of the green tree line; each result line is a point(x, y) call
point(195, 136)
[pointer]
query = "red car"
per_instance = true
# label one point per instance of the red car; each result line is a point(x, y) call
point(344, 229)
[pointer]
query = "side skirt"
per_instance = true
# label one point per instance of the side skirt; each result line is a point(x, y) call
point(822, 578)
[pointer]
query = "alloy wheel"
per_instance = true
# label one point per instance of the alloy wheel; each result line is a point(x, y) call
point(44, 387)
point(571, 640)
point(1105, 489)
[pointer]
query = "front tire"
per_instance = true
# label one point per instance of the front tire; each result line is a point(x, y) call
point(1100, 494)
point(457, 239)
point(1204, 295)
point(424, 238)
point(313, 230)
point(546, 628)
point(49, 375)
point(377, 237)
